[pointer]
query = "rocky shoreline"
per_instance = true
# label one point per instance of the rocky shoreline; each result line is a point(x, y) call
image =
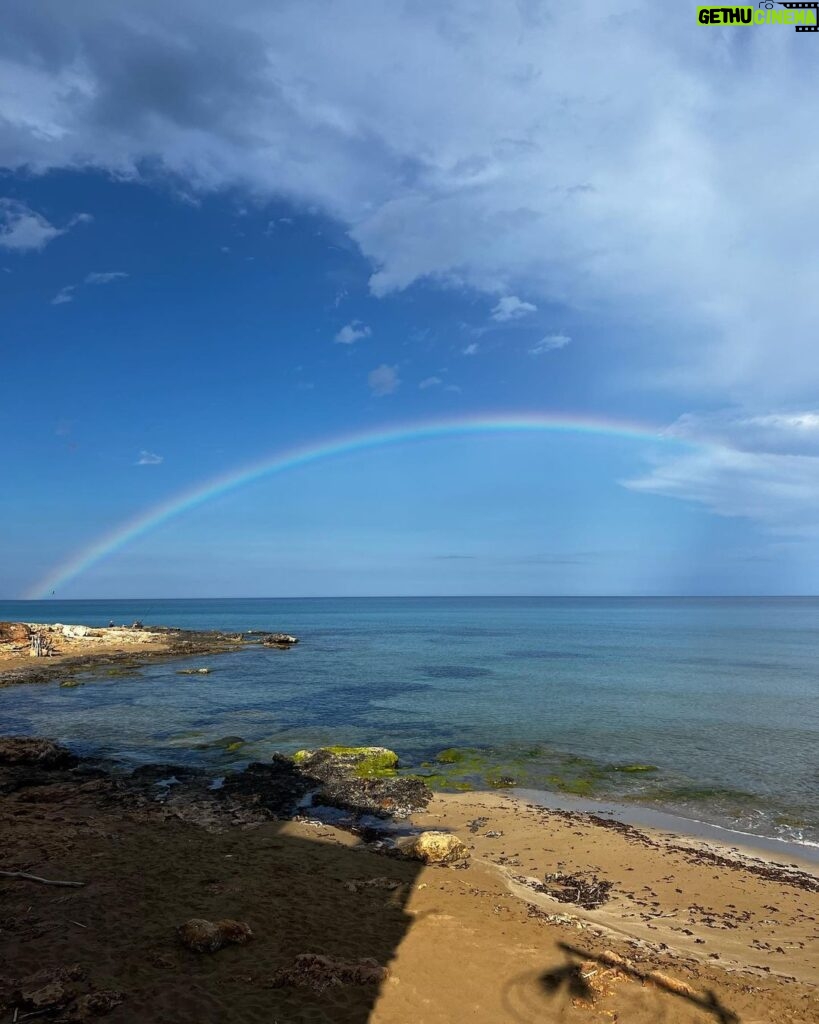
point(348, 780)
point(109, 650)
point(325, 886)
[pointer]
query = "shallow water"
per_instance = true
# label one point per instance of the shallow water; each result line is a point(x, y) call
point(719, 695)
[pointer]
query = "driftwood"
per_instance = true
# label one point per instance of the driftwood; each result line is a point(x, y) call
point(36, 878)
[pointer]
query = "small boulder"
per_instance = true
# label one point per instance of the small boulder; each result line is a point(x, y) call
point(433, 848)
point(51, 995)
point(209, 936)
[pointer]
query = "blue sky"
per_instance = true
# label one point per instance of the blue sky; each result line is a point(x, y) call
point(225, 234)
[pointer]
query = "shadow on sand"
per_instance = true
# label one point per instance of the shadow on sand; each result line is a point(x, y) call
point(300, 887)
point(571, 978)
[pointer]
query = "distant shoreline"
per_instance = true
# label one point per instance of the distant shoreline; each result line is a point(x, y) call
point(79, 648)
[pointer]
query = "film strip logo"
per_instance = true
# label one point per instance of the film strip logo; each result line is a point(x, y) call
point(814, 6)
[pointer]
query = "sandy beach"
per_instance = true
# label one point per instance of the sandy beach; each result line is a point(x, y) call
point(552, 916)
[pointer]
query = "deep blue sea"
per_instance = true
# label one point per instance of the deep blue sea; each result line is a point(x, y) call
point(720, 697)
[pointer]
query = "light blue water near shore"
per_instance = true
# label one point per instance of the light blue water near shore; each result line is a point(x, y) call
point(719, 694)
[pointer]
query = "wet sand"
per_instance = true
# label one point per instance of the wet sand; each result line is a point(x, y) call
point(686, 932)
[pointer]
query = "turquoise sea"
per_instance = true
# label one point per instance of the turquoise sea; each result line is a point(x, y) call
point(719, 697)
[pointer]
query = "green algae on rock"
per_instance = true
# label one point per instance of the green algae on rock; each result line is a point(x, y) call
point(365, 762)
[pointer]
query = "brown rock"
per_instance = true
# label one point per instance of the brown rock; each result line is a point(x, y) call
point(14, 633)
point(433, 848)
point(209, 936)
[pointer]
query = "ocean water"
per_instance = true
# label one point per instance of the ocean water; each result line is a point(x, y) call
point(719, 698)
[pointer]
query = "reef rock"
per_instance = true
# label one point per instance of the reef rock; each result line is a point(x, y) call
point(433, 848)
point(209, 936)
point(19, 750)
point(279, 640)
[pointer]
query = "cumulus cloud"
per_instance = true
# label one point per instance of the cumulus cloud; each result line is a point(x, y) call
point(549, 343)
point(510, 307)
point(106, 277)
point(64, 295)
point(470, 349)
point(621, 168)
point(352, 332)
point(149, 459)
point(383, 380)
point(22, 229)
point(430, 382)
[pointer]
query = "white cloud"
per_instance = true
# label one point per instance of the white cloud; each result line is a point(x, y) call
point(510, 307)
point(352, 332)
point(549, 343)
point(471, 349)
point(22, 229)
point(105, 277)
point(430, 382)
point(794, 432)
point(383, 380)
point(621, 169)
point(781, 492)
point(149, 459)
point(64, 295)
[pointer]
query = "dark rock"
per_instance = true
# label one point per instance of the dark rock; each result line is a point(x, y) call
point(385, 798)
point(277, 787)
point(25, 750)
point(279, 640)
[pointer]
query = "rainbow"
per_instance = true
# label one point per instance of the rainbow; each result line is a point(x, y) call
point(303, 455)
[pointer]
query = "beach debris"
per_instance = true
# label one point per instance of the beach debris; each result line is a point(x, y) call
point(31, 750)
point(26, 877)
point(433, 848)
point(586, 891)
point(279, 640)
point(193, 671)
point(318, 972)
point(204, 936)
